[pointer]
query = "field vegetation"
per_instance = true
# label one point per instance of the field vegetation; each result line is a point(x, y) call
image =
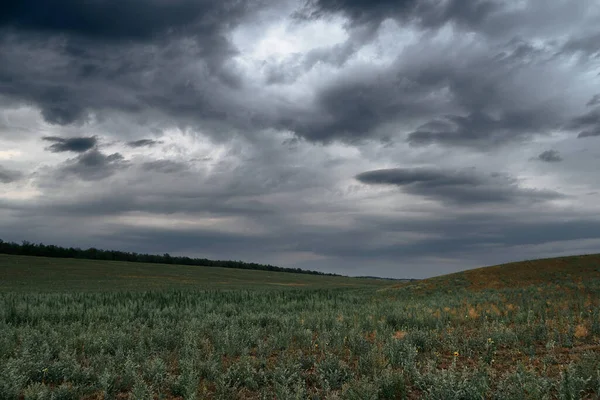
point(111, 331)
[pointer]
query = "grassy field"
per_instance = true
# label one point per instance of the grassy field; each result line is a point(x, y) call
point(22, 273)
point(522, 331)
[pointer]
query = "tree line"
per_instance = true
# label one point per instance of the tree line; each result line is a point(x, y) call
point(41, 250)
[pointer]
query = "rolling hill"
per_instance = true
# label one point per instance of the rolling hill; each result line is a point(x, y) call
point(550, 271)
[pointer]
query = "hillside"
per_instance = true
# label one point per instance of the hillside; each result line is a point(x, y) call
point(27, 273)
point(550, 271)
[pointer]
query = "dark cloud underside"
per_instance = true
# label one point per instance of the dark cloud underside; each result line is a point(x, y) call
point(550, 156)
point(430, 14)
point(165, 166)
point(76, 145)
point(456, 187)
point(143, 143)
point(587, 124)
point(93, 165)
point(120, 19)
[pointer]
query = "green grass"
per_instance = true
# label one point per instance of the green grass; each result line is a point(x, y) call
point(522, 331)
point(520, 274)
point(23, 273)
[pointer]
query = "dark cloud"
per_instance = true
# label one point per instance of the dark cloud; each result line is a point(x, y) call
point(477, 129)
point(351, 110)
point(462, 99)
point(121, 20)
point(100, 78)
point(59, 110)
point(143, 143)
point(587, 124)
point(586, 45)
point(456, 187)
point(76, 144)
point(94, 55)
point(165, 166)
point(550, 156)
point(430, 14)
point(431, 177)
point(9, 176)
point(588, 119)
point(589, 133)
point(94, 165)
point(495, 239)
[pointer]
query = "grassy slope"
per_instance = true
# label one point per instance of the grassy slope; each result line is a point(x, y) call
point(23, 273)
point(556, 271)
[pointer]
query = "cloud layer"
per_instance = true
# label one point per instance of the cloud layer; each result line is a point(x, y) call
point(395, 138)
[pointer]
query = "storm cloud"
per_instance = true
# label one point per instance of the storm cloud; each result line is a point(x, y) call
point(77, 145)
point(550, 156)
point(391, 138)
point(456, 187)
point(93, 165)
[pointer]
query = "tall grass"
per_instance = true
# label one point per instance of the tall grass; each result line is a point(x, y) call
point(450, 343)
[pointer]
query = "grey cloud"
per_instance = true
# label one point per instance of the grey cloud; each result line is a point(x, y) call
point(76, 144)
point(430, 14)
point(366, 20)
point(237, 186)
point(350, 110)
point(165, 166)
point(58, 109)
point(456, 187)
point(122, 20)
point(594, 101)
point(293, 67)
point(94, 165)
point(95, 55)
point(65, 96)
point(189, 80)
point(588, 45)
point(477, 129)
point(143, 143)
point(482, 104)
point(431, 177)
point(550, 156)
point(459, 236)
point(9, 175)
point(588, 124)
point(589, 133)
point(462, 98)
point(590, 118)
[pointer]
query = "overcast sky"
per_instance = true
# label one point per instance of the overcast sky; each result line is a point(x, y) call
point(396, 138)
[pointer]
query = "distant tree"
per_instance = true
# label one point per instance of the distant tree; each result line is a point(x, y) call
point(40, 250)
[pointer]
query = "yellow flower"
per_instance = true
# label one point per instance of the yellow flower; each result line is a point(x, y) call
point(456, 354)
